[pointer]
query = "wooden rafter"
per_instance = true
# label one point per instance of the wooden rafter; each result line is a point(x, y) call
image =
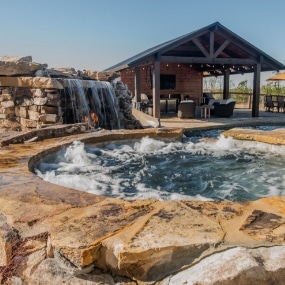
point(221, 48)
point(251, 52)
point(201, 47)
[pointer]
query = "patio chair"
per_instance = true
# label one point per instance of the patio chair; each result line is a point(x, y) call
point(186, 109)
point(207, 96)
point(269, 105)
point(280, 103)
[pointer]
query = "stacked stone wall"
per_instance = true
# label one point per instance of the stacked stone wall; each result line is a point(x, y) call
point(25, 108)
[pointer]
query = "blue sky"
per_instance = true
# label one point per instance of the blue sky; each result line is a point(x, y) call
point(96, 34)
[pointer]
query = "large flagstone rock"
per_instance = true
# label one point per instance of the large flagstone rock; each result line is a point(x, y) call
point(238, 265)
point(51, 272)
point(274, 137)
point(90, 227)
point(12, 66)
point(30, 82)
point(173, 237)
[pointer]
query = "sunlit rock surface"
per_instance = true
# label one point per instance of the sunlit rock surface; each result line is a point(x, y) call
point(17, 65)
point(238, 265)
point(50, 234)
point(276, 137)
point(32, 82)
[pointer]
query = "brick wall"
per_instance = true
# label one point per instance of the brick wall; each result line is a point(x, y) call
point(189, 81)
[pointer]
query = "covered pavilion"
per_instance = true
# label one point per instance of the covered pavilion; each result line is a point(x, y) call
point(179, 65)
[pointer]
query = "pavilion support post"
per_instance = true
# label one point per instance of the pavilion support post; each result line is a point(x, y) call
point(156, 89)
point(226, 90)
point(256, 90)
point(137, 97)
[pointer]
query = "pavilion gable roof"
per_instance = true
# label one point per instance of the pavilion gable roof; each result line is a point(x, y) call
point(212, 47)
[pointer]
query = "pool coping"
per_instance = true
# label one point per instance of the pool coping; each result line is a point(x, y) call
point(32, 207)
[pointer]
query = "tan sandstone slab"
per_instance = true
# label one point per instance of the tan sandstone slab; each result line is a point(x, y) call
point(90, 225)
point(242, 266)
point(32, 82)
point(16, 65)
point(276, 137)
point(172, 237)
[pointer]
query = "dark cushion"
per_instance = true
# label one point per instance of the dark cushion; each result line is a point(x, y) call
point(224, 110)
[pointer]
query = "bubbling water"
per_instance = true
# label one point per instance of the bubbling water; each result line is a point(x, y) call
point(195, 169)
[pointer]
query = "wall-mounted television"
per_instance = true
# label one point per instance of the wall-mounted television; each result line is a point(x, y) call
point(167, 81)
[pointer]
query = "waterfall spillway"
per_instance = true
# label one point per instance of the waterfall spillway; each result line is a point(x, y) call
point(84, 98)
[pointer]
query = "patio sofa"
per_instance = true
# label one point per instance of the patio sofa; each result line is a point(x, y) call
point(224, 108)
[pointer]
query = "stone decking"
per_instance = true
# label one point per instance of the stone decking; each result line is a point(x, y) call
point(275, 137)
point(53, 235)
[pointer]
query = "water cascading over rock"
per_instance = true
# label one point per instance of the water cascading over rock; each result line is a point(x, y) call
point(92, 102)
point(33, 97)
point(84, 99)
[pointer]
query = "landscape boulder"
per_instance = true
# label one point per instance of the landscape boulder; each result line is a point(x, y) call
point(16, 65)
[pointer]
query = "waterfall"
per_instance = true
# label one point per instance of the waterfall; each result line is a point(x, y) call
point(110, 103)
point(79, 104)
point(84, 98)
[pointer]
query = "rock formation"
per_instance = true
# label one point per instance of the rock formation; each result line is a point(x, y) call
point(124, 97)
point(24, 66)
point(19, 66)
point(32, 96)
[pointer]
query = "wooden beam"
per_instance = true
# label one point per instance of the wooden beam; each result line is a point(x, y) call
point(226, 90)
point(268, 63)
point(184, 40)
point(221, 48)
point(186, 48)
point(240, 44)
point(201, 47)
point(212, 37)
point(137, 84)
point(256, 90)
point(143, 62)
point(202, 60)
point(156, 89)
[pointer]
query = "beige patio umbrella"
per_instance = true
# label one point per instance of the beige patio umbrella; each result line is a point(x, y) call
point(277, 77)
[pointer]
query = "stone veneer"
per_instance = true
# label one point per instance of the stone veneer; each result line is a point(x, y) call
point(26, 108)
point(55, 235)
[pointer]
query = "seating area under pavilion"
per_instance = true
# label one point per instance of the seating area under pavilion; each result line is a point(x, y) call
point(173, 71)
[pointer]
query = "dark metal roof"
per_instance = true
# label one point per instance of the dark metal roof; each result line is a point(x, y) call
point(195, 48)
